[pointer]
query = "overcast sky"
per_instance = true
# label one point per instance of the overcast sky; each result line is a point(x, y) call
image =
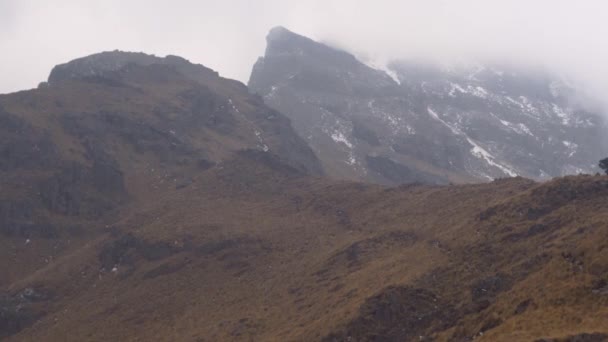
point(228, 35)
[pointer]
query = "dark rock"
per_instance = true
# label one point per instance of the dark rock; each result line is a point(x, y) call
point(362, 132)
point(399, 174)
point(125, 249)
point(523, 306)
point(397, 314)
point(165, 269)
point(600, 287)
point(593, 337)
point(23, 147)
point(490, 324)
point(16, 311)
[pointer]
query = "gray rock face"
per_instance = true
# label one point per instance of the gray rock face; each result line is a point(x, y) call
point(435, 124)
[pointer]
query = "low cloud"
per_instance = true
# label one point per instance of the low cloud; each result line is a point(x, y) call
point(565, 36)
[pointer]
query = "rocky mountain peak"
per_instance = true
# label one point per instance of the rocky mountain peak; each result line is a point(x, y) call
point(292, 58)
point(280, 41)
point(280, 33)
point(416, 121)
point(104, 63)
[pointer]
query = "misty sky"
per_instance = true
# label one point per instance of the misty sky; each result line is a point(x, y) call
point(228, 35)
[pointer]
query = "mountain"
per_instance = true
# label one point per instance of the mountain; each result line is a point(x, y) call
point(421, 122)
point(149, 199)
point(122, 128)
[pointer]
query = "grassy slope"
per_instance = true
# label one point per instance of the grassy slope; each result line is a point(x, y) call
point(299, 259)
point(247, 248)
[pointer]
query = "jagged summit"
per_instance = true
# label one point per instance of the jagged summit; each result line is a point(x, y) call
point(282, 42)
point(280, 32)
point(104, 63)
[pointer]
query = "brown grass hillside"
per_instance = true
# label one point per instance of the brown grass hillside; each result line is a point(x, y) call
point(113, 228)
point(302, 259)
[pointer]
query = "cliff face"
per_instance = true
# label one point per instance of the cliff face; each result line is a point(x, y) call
point(433, 124)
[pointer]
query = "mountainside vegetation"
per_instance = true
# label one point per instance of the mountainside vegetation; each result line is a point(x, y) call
point(152, 200)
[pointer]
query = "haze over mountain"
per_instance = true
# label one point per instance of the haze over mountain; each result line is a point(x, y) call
point(363, 187)
point(147, 198)
point(420, 122)
point(564, 36)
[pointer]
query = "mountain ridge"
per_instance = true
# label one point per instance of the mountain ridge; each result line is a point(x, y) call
point(457, 125)
point(152, 201)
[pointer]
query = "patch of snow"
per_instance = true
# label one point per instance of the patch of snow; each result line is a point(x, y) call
point(392, 74)
point(513, 101)
point(572, 147)
point(479, 91)
point(565, 117)
point(261, 141)
point(272, 92)
point(233, 106)
point(435, 116)
point(527, 105)
point(477, 150)
point(517, 128)
point(394, 121)
point(351, 159)
point(523, 128)
point(471, 90)
point(382, 66)
point(454, 87)
point(339, 137)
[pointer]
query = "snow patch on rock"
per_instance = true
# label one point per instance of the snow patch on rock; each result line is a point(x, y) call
point(476, 150)
point(339, 137)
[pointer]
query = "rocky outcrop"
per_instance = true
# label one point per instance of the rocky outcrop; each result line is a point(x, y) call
point(102, 65)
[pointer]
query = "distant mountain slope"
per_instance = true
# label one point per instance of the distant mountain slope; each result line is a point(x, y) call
point(415, 122)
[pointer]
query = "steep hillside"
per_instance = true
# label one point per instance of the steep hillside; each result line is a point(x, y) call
point(420, 122)
point(78, 151)
point(252, 251)
point(151, 200)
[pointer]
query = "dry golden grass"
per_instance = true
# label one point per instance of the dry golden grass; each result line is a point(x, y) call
point(249, 249)
point(297, 262)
